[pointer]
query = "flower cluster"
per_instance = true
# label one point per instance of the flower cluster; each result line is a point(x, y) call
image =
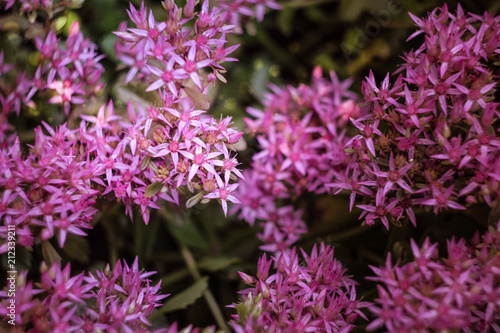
point(32, 7)
point(67, 72)
point(161, 154)
point(124, 172)
point(178, 144)
point(313, 296)
point(171, 57)
point(50, 191)
point(301, 134)
point(458, 292)
point(70, 72)
point(109, 301)
point(431, 138)
point(188, 148)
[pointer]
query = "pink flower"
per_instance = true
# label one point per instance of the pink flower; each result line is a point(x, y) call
point(433, 293)
point(311, 295)
point(109, 300)
point(224, 194)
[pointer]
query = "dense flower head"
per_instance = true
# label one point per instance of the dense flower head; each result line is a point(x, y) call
point(314, 295)
point(301, 133)
point(432, 293)
point(49, 191)
point(73, 70)
point(432, 137)
point(161, 154)
point(108, 301)
point(67, 71)
point(187, 148)
point(52, 189)
point(172, 57)
point(31, 8)
point(124, 176)
point(177, 143)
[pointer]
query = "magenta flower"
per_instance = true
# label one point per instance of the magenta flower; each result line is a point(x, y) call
point(475, 96)
point(394, 176)
point(224, 195)
point(457, 292)
point(49, 192)
point(121, 299)
point(300, 151)
point(311, 295)
point(424, 143)
point(368, 132)
point(178, 144)
point(441, 199)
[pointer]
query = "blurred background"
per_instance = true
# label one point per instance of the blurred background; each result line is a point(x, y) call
point(347, 36)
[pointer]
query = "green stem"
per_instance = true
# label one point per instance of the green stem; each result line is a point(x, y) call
point(337, 236)
point(110, 235)
point(209, 297)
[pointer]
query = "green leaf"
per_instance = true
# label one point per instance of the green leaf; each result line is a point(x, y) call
point(197, 97)
point(186, 297)
point(194, 200)
point(285, 20)
point(153, 167)
point(77, 248)
point(138, 94)
point(60, 22)
point(50, 254)
point(144, 163)
point(189, 235)
point(152, 189)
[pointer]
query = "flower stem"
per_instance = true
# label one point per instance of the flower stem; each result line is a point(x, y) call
point(195, 273)
point(112, 246)
point(209, 297)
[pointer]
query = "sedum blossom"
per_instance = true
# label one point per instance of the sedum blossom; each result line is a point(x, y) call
point(115, 300)
point(459, 291)
point(300, 132)
point(67, 71)
point(313, 295)
point(49, 191)
point(177, 144)
point(170, 56)
point(431, 139)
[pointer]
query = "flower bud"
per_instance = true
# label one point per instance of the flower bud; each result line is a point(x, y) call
point(189, 8)
point(247, 279)
point(264, 289)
